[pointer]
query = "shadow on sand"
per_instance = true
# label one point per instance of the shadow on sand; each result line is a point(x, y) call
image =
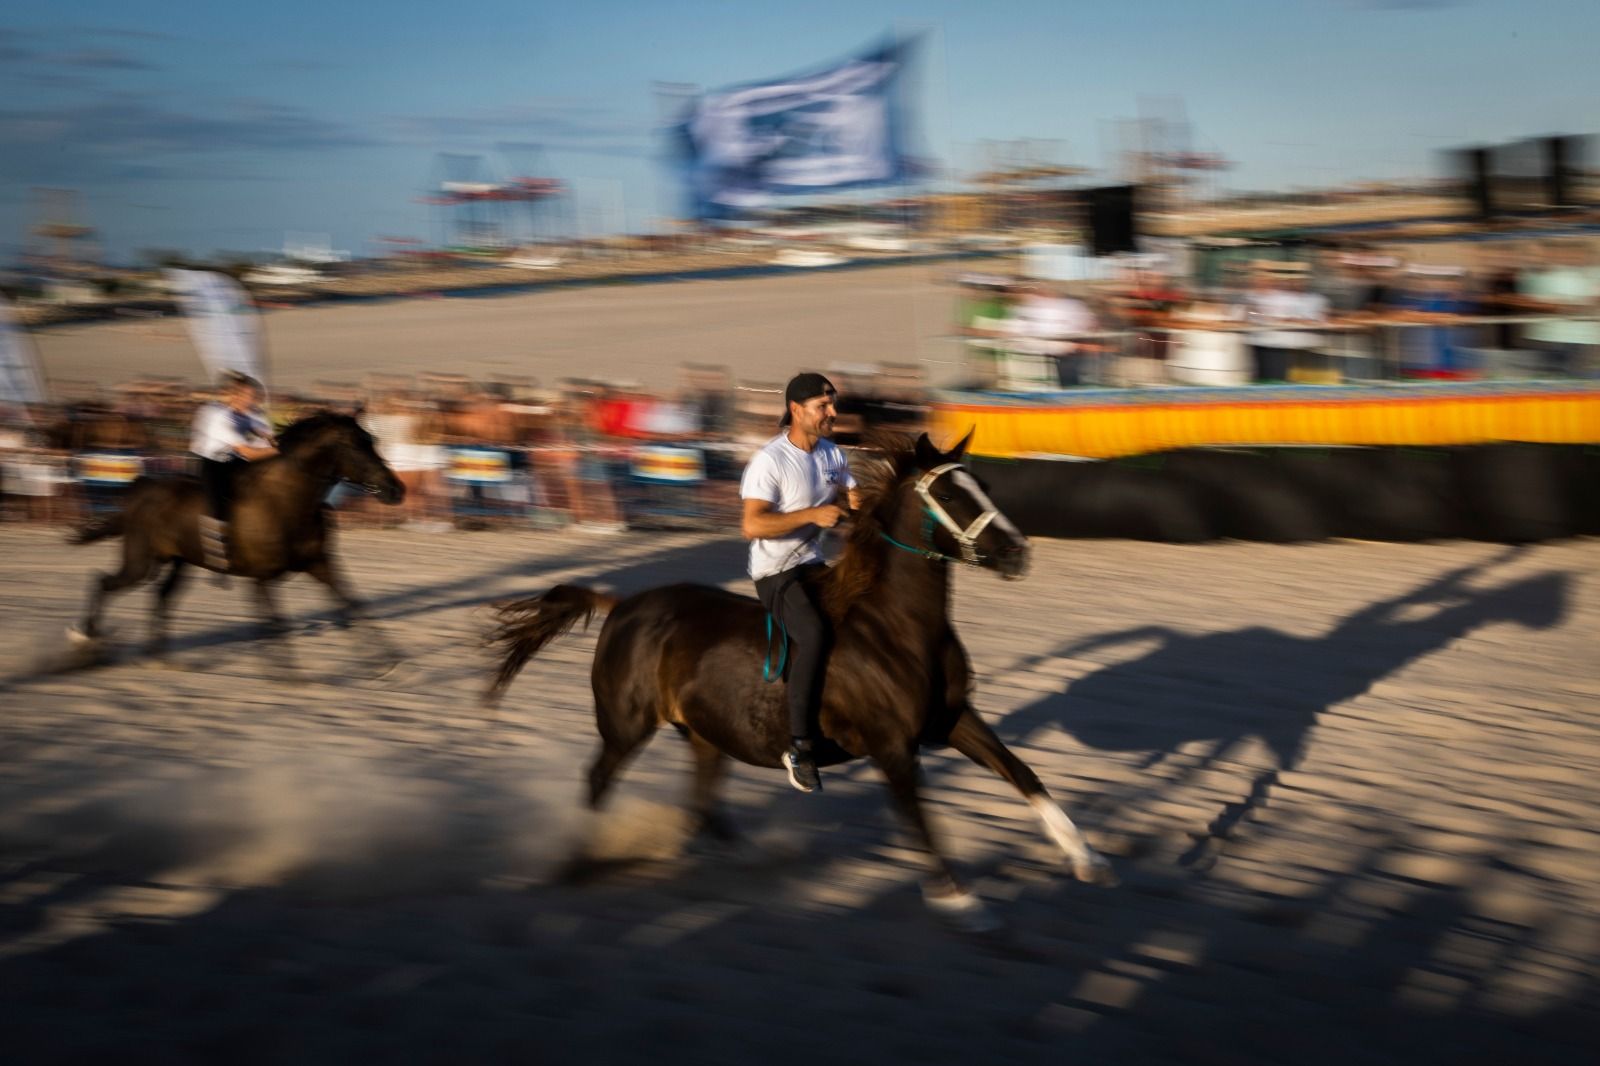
point(1225, 689)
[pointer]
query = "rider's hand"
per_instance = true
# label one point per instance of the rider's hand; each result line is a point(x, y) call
point(828, 515)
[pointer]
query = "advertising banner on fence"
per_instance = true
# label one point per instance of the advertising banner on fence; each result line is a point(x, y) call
point(109, 469)
point(676, 465)
point(479, 466)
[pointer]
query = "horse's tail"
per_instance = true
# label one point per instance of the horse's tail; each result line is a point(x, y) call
point(525, 626)
point(97, 529)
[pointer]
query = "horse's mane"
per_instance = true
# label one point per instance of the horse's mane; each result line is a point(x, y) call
point(892, 457)
point(306, 429)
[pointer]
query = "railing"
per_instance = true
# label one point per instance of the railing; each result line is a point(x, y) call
point(609, 484)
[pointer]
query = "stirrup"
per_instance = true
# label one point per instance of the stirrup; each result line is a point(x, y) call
point(802, 770)
point(214, 544)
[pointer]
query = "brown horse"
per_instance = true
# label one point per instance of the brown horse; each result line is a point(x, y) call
point(897, 678)
point(279, 523)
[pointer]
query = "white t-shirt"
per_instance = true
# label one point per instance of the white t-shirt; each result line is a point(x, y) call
point(219, 429)
point(1282, 305)
point(792, 480)
point(1047, 320)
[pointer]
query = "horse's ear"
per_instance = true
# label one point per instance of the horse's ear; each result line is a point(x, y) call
point(928, 456)
point(959, 452)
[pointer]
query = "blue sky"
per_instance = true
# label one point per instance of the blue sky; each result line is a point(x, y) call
point(208, 126)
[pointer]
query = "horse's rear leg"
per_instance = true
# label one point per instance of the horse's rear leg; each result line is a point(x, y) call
point(619, 739)
point(972, 738)
point(943, 891)
point(710, 766)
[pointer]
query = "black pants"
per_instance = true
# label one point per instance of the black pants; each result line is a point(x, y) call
point(217, 477)
point(789, 598)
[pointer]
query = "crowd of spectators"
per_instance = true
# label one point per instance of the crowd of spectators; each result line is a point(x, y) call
point(1328, 316)
point(610, 454)
point(603, 454)
point(468, 452)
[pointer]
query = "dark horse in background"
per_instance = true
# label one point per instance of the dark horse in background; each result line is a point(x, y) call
point(897, 676)
point(279, 523)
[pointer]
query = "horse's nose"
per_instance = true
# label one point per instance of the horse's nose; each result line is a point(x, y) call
point(1014, 559)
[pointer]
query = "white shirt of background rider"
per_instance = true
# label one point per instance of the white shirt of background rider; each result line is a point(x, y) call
point(792, 479)
point(219, 429)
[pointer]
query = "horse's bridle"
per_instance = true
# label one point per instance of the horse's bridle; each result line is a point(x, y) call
point(967, 538)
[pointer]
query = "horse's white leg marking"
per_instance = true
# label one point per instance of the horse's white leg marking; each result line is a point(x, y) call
point(1087, 864)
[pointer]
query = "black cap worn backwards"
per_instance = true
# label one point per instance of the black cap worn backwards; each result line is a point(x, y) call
point(803, 387)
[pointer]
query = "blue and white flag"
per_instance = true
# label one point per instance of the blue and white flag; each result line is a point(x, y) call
point(222, 321)
point(21, 383)
point(833, 129)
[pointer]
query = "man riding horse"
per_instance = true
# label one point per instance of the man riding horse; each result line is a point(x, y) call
point(791, 494)
point(227, 434)
point(276, 508)
point(898, 679)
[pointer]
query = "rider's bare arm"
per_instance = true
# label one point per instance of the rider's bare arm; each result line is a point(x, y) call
point(760, 520)
point(253, 453)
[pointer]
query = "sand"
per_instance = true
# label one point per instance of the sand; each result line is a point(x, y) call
point(232, 862)
point(764, 329)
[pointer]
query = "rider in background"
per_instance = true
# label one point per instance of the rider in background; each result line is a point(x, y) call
point(227, 434)
point(791, 493)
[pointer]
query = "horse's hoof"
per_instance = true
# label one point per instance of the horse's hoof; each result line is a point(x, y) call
point(1095, 870)
point(77, 638)
point(963, 911)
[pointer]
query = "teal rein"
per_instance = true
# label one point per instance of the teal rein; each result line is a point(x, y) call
point(927, 538)
point(768, 674)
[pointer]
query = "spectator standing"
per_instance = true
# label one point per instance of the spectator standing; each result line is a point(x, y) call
point(1436, 292)
point(1569, 282)
point(1047, 322)
point(1278, 302)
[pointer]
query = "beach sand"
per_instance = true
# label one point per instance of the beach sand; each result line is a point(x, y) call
point(764, 329)
point(230, 862)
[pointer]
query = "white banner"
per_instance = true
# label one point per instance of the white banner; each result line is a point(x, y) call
point(20, 379)
point(222, 322)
